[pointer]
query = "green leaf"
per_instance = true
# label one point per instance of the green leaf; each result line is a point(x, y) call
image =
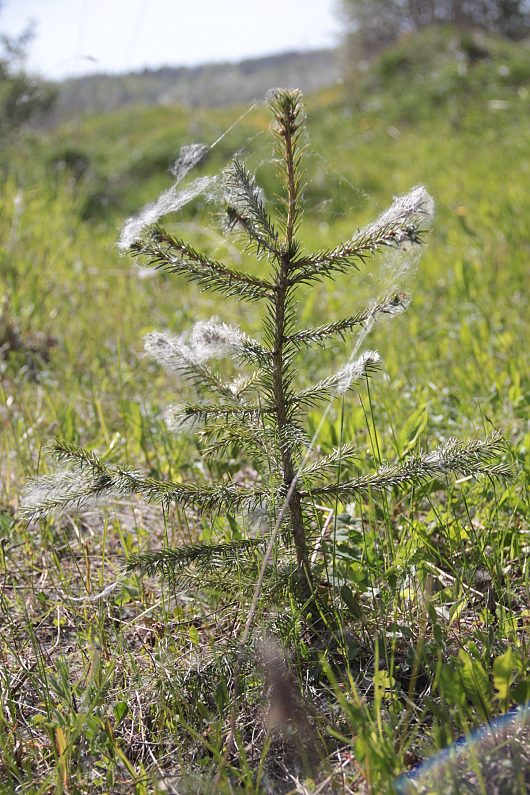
point(475, 681)
point(383, 680)
point(6, 524)
point(504, 673)
point(521, 692)
point(121, 709)
point(351, 601)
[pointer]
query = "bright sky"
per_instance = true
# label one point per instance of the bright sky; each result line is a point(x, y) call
point(122, 35)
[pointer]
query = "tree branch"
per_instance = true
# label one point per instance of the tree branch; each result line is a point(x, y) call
point(176, 256)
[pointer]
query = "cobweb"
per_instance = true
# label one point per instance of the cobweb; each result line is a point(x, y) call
point(171, 201)
point(397, 267)
point(174, 198)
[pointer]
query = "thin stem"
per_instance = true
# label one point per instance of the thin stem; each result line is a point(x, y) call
point(280, 401)
point(292, 204)
point(287, 129)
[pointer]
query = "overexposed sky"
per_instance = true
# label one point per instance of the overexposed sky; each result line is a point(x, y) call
point(76, 37)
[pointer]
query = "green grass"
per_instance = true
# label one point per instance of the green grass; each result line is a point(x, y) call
point(430, 587)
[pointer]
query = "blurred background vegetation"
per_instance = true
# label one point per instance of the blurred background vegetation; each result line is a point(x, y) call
point(431, 93)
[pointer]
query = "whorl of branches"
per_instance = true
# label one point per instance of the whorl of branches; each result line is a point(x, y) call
point(261, 414)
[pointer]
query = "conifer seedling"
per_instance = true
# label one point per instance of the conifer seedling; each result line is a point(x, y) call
point(261, 414)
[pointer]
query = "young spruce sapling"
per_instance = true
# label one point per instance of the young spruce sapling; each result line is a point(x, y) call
point(262, 414)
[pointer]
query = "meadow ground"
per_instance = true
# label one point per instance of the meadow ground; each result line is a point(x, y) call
point(133, 692)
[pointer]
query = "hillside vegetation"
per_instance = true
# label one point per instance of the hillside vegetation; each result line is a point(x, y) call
point(211, 86)
point(134, 689)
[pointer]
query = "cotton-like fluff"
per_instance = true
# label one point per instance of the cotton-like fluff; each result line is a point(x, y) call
point(412, 210)
point(171, 351)
point(65, 489)
point(207, 340)
point(170, 201)
point(238, 384)
point(190, 155)
point(355, 370)
point(211, 339)
point(178, 421)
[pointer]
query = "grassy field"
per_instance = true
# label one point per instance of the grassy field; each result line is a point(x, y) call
point(133, 692)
